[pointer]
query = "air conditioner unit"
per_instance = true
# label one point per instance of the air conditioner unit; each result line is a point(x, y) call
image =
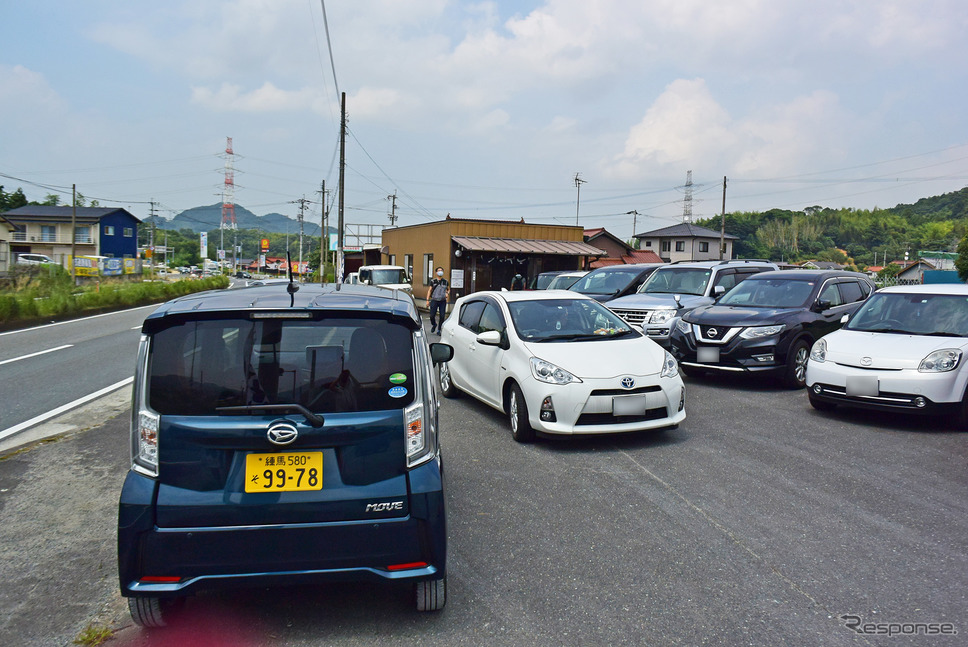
point(33, 238)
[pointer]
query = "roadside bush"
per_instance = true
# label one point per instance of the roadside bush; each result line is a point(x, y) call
point(53, 294)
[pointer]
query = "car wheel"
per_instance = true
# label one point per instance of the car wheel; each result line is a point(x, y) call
point(961, 416)
point(521, 429)
point(795, 375)
point(152, 612)
point(446, 383)
point(818, 404)
point(431, 594)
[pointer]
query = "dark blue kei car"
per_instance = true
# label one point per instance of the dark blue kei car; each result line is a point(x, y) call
point(282, 436)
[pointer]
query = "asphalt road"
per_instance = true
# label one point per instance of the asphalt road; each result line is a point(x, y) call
point(757, 522)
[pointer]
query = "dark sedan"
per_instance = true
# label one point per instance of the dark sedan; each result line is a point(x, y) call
point(613, 281)
point(768, 322)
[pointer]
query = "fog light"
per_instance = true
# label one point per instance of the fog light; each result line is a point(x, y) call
point(920, 402)
point(682, 398)
point(547, 410)
point(817, 389)
point(763, 358)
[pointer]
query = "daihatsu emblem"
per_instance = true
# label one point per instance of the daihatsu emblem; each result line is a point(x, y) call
point(865, 361)
point(627, 382)
point(282, 433)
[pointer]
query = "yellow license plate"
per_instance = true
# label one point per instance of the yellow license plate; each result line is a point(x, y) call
point(290, 472)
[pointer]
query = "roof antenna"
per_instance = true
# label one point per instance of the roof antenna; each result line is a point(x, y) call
point(293, 287)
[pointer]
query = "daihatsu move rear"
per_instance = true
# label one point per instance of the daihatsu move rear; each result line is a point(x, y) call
point(282, 436)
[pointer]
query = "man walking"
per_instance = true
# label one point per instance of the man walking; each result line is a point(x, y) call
point(437, 296)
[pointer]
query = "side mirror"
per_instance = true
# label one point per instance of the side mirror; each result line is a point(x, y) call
point(440, 352)
point(821, 305)
point(718, 291)
point(844, 319)
point(490, 338)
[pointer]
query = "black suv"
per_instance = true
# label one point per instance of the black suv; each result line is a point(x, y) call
point(283, 434)
point(768, 323)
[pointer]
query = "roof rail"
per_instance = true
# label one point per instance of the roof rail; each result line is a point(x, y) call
point(745, 260)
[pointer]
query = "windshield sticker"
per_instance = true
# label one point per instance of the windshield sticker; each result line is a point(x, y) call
point(397, 392)
point(398, 378)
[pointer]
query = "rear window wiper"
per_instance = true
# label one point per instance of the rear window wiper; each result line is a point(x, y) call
point(314, 419)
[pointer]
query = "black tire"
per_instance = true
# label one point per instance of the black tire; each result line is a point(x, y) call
point(521, 429)
point(447, 387)
point(795, 375)
point(152, 612)
point(961, 415)
point(820, 405)
point(431, 594)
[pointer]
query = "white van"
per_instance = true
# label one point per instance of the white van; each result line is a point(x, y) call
point(386, 276)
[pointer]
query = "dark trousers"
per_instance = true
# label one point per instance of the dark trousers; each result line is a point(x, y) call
point(434, 307)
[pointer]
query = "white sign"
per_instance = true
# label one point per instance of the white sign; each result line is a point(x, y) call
point(203, 244)
point(457, 279)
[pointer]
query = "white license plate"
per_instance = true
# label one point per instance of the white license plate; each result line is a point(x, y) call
point(629, 405)
point(858, 385)
point(708, 354)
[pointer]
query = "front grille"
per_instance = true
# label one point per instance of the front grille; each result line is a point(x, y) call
point(637, 317)
point(589, 419)
point(642, 389)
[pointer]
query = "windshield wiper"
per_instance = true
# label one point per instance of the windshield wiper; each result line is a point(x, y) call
point(942, 334)
point(312, 418)
point(896, 331)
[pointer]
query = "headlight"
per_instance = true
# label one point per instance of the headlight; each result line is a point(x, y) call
point(819, 351)
point(684, 327)
point(940, 361)
point(757, 332)
point(670, 367)
point(547, 372)
point(661, 316)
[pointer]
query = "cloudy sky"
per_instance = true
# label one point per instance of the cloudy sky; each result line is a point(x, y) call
point(488, 109)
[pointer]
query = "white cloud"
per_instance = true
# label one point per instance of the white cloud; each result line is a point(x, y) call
point(268, 98)
point(687, 127)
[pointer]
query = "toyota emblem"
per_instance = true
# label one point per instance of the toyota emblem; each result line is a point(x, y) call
point(282, 433)
point(628, 382)
point(865, 361)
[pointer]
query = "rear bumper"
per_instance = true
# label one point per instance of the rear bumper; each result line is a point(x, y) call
point(204, 558)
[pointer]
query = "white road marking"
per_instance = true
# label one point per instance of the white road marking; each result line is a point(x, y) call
point(10, 431)
point(49, 350)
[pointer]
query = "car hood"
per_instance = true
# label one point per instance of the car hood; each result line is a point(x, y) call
point(736, 316)
point(602, 359)
point(645, 301)
point(885, 350)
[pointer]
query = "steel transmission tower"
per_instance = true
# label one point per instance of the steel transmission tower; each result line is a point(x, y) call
point(228, 206)
point(687, 199)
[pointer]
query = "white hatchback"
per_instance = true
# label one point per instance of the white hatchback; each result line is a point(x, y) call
point(903, 351)
point(559, 362)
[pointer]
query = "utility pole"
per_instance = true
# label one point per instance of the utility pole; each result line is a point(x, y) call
point(302, 208)
point(73, 229)
point(342, 173)
point(324, 243)
point(634, 215)
point(393, 208)
point(578, 183)
point(722, 225)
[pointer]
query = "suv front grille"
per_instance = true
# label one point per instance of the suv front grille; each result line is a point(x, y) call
point(637, 317)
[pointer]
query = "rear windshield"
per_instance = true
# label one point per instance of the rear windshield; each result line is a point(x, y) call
point(326, 365)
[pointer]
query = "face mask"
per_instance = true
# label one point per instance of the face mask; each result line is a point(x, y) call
point(440, 273)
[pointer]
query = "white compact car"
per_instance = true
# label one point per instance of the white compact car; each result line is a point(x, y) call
point(903, 351)
point(559, 362)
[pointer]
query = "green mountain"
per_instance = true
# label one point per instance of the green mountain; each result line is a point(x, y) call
point(209, 217)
